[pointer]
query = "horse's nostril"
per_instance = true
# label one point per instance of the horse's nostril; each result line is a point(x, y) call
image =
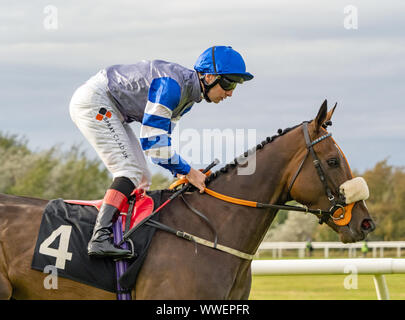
point(368, 225)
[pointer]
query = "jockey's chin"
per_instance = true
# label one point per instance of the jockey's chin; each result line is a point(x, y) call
point(218, 100)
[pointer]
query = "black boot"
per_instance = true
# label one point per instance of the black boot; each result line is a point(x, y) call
point(100, 244)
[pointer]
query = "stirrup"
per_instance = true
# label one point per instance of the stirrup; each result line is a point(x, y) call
point(132, 255)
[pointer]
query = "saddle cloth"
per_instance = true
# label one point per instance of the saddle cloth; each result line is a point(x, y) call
point(66, 229)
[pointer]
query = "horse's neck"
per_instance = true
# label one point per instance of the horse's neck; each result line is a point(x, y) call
point(266, 184)
point(262, 180)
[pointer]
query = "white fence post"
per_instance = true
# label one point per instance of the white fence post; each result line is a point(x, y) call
point(326, 252)
point(301, 253)
point(381, 287)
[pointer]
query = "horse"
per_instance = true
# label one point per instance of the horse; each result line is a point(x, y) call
point(178, 269)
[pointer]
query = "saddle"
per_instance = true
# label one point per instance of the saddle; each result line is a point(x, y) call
point(142, 209)
point(72, 221)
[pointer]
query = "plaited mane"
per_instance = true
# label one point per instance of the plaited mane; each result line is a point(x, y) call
point(242, 158)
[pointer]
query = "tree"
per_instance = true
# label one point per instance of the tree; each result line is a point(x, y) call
point(160, 181)
point(70, 174)
point(386, 205)
point(297, 227)
point(53, 173)
point(386, 202)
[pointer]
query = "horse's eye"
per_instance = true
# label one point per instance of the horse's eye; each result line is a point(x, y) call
point(333, 162)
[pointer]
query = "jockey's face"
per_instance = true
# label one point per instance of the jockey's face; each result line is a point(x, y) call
point(216, 94)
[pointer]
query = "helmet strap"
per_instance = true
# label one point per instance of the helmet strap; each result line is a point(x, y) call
point(207, 87)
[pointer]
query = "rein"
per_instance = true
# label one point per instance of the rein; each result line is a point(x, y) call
point(322, 215)
point(337, 206)
point(260, 205)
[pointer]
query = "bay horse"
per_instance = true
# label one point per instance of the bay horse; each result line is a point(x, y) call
point(178, 269)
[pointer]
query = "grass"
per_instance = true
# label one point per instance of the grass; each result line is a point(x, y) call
point(323, 287)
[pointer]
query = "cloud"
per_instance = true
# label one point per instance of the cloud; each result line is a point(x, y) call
point(299, 52)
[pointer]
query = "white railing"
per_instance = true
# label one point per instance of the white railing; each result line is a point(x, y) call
point(377, 267)
point(375, 246)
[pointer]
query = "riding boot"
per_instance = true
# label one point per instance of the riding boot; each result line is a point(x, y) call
point(101, 244)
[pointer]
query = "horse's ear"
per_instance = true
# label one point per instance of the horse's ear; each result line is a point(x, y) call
point(321, 116)
point(330, 113)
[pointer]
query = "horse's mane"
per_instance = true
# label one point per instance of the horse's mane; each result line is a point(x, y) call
point(243, 157)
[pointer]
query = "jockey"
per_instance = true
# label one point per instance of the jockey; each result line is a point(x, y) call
point(156, 94)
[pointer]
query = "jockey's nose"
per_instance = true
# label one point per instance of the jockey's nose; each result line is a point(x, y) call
point(229, 93)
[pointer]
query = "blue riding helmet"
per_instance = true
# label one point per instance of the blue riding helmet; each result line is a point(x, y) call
point(225, 62)
point(222, 60)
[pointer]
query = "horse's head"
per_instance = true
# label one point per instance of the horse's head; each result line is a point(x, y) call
point(320, 178)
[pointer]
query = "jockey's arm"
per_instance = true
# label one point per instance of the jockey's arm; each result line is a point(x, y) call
point(164, 97)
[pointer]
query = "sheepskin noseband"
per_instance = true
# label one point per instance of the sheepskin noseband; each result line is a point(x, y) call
point(354, 190)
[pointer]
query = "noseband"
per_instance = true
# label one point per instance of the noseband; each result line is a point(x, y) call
point(321, 214)
point(340, 203)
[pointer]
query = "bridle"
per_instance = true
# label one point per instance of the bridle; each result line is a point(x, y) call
point(323, 215)
point(336, 204)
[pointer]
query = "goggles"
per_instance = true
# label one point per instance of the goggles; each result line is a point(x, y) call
point(226, 84)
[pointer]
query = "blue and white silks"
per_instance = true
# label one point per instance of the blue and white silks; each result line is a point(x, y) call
point(156, 94)
point(157, 125)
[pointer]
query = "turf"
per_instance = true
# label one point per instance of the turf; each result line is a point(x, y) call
point(323, 287)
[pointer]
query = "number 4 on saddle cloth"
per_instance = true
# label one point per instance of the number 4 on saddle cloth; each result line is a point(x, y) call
point(66, 229)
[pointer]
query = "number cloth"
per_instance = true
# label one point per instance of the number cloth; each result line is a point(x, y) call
point(63, 236)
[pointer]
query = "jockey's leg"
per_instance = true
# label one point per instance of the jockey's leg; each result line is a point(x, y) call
point(140, 159)
point(116, 196)
point(104, 127)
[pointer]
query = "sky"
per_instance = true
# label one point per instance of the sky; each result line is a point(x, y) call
point(300, 52)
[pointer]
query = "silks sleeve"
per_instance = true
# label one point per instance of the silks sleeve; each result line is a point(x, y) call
point(164, 97)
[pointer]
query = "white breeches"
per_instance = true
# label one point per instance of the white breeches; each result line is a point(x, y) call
point(104, 127)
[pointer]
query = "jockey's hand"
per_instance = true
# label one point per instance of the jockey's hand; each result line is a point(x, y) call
point(197, 179)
